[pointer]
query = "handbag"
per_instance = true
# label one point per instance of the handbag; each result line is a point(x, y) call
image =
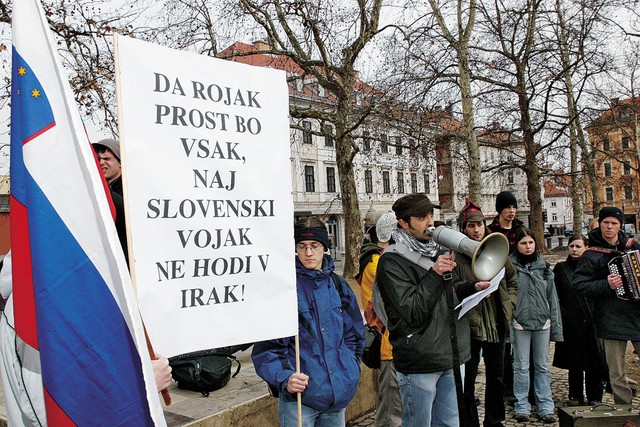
point(372, 343)
point(203, 371)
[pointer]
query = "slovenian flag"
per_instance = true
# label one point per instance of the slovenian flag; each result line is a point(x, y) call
point(73, 298)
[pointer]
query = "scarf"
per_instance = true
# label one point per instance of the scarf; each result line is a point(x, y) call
point(429, 249)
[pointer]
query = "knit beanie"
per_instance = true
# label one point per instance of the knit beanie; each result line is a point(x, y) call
point(505, 199)
point(312, 233)
point(385, 226)
point(470, 212)
point(611, 211)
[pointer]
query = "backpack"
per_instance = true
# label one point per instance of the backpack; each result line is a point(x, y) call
point(203, 371)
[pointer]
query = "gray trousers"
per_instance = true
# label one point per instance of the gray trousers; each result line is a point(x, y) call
point(389, 410)
point(615, 351)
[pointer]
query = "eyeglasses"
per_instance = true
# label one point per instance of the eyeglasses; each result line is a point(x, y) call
point(315, 247)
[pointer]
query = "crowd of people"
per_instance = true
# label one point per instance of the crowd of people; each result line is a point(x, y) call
point(429, 355)
point(411, 286)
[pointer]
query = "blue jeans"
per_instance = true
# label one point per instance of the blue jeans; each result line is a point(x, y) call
point(536, 342)
point(288, 414)
point(429, 399)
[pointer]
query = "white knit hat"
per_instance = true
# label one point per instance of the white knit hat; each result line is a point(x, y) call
point(385, 226)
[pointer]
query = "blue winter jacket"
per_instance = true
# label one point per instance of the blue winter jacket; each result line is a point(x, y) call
point(331, 332)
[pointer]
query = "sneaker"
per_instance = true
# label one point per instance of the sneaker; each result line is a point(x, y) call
point(522, 417)
point(548, 419)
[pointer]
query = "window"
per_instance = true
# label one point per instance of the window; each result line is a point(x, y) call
point(510, 177)
point(607, 169)
point(427, 188)
point(384, 145)
point(554, 217)
point(608, 194)
point(400, 179)
point(328, 136)
point(368, 181)
point(4, 203)
point(626, 168)
point(628, 192)
point(331, 180)
point(626, 142)
point(398, 146)
point(606, 144)
point(386, 183)
point(553, 204)
point(366, 142)
point(309, 179)
point(414, 183)
point(413, 148)
point(306, 133)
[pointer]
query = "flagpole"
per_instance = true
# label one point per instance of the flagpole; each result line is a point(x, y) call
point(297, 372)
point(152, 354)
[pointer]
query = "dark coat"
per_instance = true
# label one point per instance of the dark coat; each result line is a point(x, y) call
point(413, 298)
point(490, 319)
point(615, 319)
point(579, 346)
point(510, 233)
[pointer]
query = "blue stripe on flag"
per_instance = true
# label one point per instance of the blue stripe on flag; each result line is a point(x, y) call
point(86, 348)
point(30, 114)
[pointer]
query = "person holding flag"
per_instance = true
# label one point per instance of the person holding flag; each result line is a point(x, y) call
point(75, 316)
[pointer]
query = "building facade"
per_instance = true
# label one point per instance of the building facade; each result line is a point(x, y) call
point(616, 154)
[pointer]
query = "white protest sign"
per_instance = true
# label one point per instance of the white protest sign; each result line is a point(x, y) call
point(205, 151)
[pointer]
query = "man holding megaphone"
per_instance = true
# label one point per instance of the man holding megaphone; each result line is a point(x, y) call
point(414, 277)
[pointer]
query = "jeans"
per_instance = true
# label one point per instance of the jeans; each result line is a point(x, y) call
point(288, 414)
point(429, 399)
point(536, 342)
point(493, 355)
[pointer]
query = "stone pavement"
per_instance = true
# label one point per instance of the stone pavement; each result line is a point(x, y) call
point(559, 388)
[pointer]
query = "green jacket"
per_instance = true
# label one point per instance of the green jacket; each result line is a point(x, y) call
point(490, 320)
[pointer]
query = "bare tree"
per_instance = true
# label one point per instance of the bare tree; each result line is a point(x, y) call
point(460, 43)
point(325, 39)
point(511, 49)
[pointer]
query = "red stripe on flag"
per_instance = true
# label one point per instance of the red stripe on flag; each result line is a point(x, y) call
point(107, 190)
point(55, 414)
point(22, 275)
point(37, 134)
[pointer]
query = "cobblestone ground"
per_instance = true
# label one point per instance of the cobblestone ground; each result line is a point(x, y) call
point(559, 383)
point(559, 387)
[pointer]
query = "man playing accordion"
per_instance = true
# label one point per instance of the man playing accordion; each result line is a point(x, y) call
point(617, 320)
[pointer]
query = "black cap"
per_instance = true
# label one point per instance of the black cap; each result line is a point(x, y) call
point(415, 204)
point(504, 199)
point(611, 211)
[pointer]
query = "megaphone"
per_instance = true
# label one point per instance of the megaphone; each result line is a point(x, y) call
point(487, 256)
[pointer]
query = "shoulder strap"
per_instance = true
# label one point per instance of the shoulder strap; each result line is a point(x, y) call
point(600, 250)
point(336, 279)
point(413, 256)
point(630, 242)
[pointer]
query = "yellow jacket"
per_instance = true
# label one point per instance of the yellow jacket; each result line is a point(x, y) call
point(366, 282)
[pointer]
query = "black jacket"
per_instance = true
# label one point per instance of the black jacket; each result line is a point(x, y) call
point(579, 347)
point(615, 319)
point(414, 297)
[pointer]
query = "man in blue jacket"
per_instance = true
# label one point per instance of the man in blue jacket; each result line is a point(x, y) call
point(331, 338)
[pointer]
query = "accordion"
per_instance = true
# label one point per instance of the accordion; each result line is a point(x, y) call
point(627, 266)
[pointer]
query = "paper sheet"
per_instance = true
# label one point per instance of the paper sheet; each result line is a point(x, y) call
point(472, 300)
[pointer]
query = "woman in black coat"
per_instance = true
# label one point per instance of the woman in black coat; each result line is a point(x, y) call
point(579, 353)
